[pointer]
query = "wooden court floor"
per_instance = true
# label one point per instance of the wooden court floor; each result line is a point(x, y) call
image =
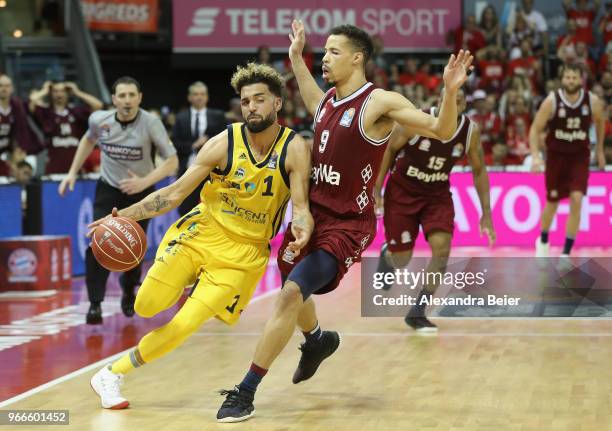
point(474, 375)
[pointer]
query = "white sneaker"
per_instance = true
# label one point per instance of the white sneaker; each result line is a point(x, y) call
point(541, 248)
point(106, 384)
point(565, 263)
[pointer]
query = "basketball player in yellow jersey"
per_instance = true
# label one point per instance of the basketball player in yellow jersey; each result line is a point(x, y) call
point(221, 247)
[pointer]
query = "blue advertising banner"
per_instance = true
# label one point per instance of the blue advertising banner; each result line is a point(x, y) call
point(10, 210)
point(71, 214)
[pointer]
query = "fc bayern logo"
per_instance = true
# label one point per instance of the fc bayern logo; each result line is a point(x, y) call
point(22, 262)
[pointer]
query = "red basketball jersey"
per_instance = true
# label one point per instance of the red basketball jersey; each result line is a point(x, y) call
point(345, 162)
point(423, 166)
point(6, 129)
point(569, 125)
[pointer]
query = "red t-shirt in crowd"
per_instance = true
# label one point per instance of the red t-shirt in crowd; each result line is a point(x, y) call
point(472, 40)
point(490, 127)
point(525, 66)
point(492, 74)
point(584, 24)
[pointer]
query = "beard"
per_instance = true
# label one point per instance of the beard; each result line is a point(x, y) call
point(572, 89)
point(260, 125)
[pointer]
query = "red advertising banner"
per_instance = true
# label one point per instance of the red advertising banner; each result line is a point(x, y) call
point(243, 25)
point(35, 263)
point(136, 16)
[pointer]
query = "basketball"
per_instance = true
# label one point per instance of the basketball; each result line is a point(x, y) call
point(119, 244)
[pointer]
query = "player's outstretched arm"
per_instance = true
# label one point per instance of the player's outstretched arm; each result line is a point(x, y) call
point(600, 128)
point(399, 137)
point(213, 154)
point(399, 109)
point(298, 166)
point(309, 90)
point(537, 127)
point(481, 182)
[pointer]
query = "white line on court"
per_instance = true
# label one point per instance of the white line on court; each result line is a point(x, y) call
point(90, 367)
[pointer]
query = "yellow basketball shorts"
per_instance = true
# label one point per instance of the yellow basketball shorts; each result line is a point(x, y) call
point(224, 272)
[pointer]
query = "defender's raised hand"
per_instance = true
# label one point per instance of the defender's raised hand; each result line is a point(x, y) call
point(456, 71)
point(297, 38)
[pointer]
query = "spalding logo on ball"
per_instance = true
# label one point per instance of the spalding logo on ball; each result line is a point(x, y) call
point(119, 244)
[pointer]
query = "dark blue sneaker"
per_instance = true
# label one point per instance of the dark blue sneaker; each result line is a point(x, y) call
point(383, 266)
point(237, 407)
point(313, 353)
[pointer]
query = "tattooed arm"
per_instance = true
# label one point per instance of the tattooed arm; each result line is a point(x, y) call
point(481, 182)
point(298, 166)
point(211, 155)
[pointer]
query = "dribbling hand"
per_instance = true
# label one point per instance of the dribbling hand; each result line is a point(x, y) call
point(94, 224)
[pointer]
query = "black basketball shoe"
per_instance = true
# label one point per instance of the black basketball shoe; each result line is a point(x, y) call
point(238, 405)
point(314, 352)
point(94, 315)
point(420, 324)
point(383, 267)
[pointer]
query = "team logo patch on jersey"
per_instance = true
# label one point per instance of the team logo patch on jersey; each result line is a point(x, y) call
point(585, 110)
point(366, 173)
point(562, 112)
point(406, 238)
point(249, 187)
point(240, 173)
point(425, 145)
point(347, 117)
point(273, 161)
point(457, 150)
point(242, 156)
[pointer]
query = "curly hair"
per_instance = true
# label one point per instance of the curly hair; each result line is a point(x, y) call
point(254, 73)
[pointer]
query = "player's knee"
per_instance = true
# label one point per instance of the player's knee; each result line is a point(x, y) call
point(400, 259)
point(290, 297)
point(146, 304)
point(182, 328)
point(576, 199)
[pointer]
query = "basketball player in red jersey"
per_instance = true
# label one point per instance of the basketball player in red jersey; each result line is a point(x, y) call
point(353, 121)
point(567, 114)
point(418, 193)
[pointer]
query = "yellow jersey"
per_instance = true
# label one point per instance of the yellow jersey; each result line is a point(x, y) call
point(249, 198)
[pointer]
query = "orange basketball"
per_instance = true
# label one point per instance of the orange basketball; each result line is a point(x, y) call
point(119, 244)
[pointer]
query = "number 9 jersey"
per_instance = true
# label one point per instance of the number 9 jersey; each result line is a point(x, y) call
point(248, 199)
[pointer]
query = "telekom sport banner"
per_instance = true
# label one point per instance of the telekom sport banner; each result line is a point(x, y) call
point(517, 201)
point(121, 15)
point(243, 25)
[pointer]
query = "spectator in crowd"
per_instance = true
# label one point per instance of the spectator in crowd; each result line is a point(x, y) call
point(23, 173)
point(527, 65)
point(537, 22)
point(584, 15)
point(62, 123)
point(263, 55)
point(488, 121)
point(566, 44)
point(491, 69)
point(517, 140)
point(518, 31)
point(498, 157)
point(192, 129)
point(489, 27)
point(410, 72)
point(234, 114)
point(605, 63)
point(605, 27)
point(582, 58)
point(378, 54)
point(14, 130)
point(467, 36)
